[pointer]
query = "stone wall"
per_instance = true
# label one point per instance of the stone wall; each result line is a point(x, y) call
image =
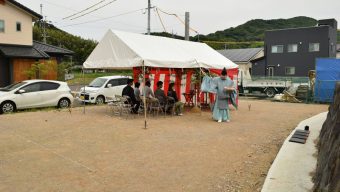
point(327, 176)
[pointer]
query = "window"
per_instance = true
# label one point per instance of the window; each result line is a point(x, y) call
point(292, 48)
point(277, 49)
point(98, 82)
point(2, 26)
point(290, 70)
point(113, 82)
point(123, 81)
point(314, 47)
point(46, 86)
point(32, 88)
point(18, 26)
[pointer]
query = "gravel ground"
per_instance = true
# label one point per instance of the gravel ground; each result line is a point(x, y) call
point(69, 151)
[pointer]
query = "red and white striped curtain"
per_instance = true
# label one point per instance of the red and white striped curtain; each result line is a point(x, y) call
point(181, 77)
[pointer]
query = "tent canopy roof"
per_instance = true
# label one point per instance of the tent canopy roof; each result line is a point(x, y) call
point(126, 50)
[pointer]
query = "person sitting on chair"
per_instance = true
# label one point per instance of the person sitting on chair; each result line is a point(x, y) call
point(177, 104)
point(128, 91)
point(149, 95)
point(137, 92)
point(148, 91)
point(159, 93)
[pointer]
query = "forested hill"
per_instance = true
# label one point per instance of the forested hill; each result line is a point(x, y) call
point(57, 37)
point(253, 30)
point(249, 34)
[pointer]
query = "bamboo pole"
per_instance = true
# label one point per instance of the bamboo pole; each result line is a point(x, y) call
point(144, 98)
point(199, 92)
point(83, 90)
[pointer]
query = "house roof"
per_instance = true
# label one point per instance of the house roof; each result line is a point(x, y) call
point(28, 10)
point(51, 49)
point(37, 51)
point(240, 55)
point(20, 51)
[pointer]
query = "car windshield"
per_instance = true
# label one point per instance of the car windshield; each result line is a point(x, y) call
point(13, 86)
point(98, 82)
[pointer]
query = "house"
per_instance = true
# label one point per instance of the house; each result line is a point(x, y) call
point(243, 58)
point(18, 51)
point(292, 52)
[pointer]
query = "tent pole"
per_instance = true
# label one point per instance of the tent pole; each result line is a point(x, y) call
point(144, 98)
point(199, 92)
point(83, 90)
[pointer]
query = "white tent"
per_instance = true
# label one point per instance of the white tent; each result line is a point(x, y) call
point(126, 50)
point(119, 50)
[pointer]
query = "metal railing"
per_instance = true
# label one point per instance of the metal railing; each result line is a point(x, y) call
point(295, 80)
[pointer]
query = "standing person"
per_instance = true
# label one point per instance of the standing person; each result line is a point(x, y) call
point(177, 104)
point(224, 86)
point(128, 91)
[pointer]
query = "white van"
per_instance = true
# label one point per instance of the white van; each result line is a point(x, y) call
point(102, 88)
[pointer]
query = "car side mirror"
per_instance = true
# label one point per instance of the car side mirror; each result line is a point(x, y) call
point(21, 91)
point(109, 85)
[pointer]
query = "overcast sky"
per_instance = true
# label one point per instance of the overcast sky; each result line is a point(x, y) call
point(205, 16)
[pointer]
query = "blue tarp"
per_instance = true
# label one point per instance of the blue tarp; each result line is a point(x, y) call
point(327, 74)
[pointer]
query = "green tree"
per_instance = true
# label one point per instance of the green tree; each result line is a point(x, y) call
point(38, 70)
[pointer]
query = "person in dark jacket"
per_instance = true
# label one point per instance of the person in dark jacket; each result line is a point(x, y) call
point(159, 93)
point(129, 91)
point(177, 104)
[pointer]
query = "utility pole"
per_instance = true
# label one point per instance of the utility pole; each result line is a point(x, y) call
point(149, 16)
point(44, 31)
point(187, 26)
point(42, 24)
point(41, 13)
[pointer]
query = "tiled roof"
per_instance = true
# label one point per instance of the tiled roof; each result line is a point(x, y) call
point(21, 6)
point(240, 55)
point(20, 51)
point(51, 49)
point(38, 51)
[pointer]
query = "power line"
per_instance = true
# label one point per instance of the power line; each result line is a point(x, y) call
point(160, 19)
point(57, 5)
point(62, 7)
point(84, 9)
point(94, 10)
point(173, 14)
point(106, 18)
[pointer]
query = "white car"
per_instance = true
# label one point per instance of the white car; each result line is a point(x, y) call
point(35, 94)
point(102, 88)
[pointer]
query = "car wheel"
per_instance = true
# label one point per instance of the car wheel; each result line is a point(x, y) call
point(270, 92)
point(100, 100)
point(64, 103)
point(7, 107)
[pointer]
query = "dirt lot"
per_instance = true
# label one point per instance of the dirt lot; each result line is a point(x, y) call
point(63, 151)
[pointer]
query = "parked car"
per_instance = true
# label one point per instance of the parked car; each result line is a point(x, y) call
point(102, 88)
point(35, 94)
